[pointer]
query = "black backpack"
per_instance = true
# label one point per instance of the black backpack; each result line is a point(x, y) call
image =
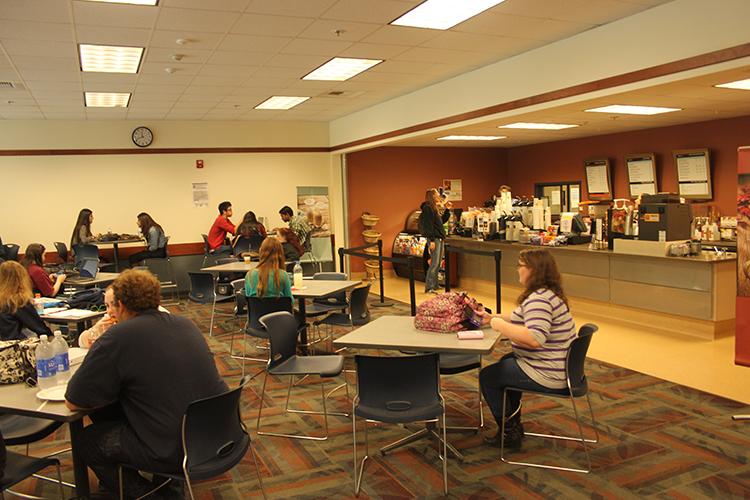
point(86, 299)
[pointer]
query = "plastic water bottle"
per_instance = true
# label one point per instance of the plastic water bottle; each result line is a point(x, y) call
point(38, 304)
point(46, 365)
point(298, 275)
point(61, 358)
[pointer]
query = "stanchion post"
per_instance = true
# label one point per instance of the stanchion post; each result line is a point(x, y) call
point(498, 260)
point(447, 268)
point(380, 270)
point(341, 259)
point(412, 293)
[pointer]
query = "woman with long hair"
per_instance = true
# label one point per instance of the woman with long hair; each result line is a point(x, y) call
point(431, 221)
point(250, 226)
point(82, 231)
point(155, 239)
point(540, 330)
point(48, 285)
point(290, 244)
point(270, 278)
point(18, 318)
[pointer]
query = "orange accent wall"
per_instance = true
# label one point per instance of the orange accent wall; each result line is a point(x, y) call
point(390, 182)
point(563, 161)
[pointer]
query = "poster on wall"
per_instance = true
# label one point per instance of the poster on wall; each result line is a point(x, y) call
point(453, 189)
point(598, 182)
point(641, 174)
point(312, 202)
point(694, 173)
point(200, 194)
point(743, 235)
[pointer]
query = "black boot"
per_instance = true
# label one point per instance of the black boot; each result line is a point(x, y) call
point(513, 432)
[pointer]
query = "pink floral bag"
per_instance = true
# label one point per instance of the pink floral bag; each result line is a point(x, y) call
point(444, 313)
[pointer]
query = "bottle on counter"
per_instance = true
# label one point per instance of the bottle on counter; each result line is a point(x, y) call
point(46, 365)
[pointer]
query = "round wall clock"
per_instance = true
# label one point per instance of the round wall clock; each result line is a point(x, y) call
point(142, 137)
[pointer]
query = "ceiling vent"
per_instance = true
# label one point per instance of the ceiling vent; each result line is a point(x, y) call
point(11, 86)
point(342, 93)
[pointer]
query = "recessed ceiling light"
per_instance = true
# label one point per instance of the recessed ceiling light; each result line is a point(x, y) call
point(443, 14)
point(341, 68)
point(132, 2)
point(538, 126)
point(107, 99)
point(281, 102)
point(471, 137)
point(627, 109)
point(739, 84)
point(110, 58)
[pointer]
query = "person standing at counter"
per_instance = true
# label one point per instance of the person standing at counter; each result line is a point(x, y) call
point(155, 239)
point(541, 330)
point(430, 223)
point(82, 231)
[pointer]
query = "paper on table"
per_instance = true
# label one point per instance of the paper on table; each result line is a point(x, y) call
point(470, 335)
point(72, 313)
point(53, 310)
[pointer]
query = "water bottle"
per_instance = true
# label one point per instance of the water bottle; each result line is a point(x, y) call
point(38, 304)
point(297, 275)
point(46, 365)
point(61, 358)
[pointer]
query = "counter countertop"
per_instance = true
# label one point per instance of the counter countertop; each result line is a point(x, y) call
point(705, 257)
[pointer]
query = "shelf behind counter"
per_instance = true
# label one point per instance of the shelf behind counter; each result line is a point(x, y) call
point(686, 295)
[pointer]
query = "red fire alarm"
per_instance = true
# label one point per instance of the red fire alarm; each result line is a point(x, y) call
point(198, 163)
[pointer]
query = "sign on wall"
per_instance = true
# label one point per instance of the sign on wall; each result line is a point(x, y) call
point(312, 202)
point(453, 189)
point(200, 194)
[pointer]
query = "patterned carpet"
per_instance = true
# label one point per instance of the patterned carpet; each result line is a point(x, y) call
point(657, 439)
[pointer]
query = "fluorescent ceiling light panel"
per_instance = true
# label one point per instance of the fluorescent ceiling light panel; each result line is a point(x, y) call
point(132, 2)
point(110, 58)
point(107, 99)
point(341, 68)
point(538, 126)
point(626, 109)
point(739, 84)
point(443, 14)
point(281, 102)
point(471, 137)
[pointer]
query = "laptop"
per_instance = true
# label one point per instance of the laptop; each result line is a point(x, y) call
point(88, 268)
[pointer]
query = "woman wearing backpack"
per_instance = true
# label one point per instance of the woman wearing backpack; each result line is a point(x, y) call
point(18, 318)
point(430, 222)
point(540, 330)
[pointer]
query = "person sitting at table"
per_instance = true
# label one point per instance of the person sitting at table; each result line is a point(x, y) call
point(270, 278)
point(140, 377)
point(18, 318)
point(541, 330)
point(217, 235)
point(82, 231)
point(48, 285)
point(290, 244)
point(298, 224)
point(250, 226)
point(155, 239)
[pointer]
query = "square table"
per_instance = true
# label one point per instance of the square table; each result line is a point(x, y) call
point(115, 244)
point(101, 278)
point(78, 319)
point(317, 289)
point(20, 399)
point(232, 267)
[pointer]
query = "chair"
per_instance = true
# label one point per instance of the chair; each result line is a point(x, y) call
point(11, 251)
point(171, 283)
point(357, 315)
point(282, 333)
point(223, 282)
point(241, 246)
point(214, 440)
point(85, 251)
point(19, 467)
point(256, 308)
point(202, 291)
point(62, 252)
point(336, 302)
point(577, 387)
point(398, 390)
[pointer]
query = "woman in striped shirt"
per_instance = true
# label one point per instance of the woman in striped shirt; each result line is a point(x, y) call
point(541, 330)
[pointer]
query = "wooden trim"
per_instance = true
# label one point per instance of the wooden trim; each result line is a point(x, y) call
point(689, 63)
point(156, 151)
point(174, 250)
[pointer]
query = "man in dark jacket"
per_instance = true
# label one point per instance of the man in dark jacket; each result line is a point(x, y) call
point(430, 224)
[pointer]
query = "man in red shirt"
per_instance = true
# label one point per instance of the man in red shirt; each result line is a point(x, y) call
point(218, 232)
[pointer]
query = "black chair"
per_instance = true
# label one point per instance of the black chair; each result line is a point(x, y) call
point(398, 390)
point(283, 360)
point(85, 252)
point(335, 302)
point(62, 252)
point(358, 312)
point(214, 440)
point(577, 387)
point(223, 282)
point(11, 251)
point(207, 252)
point(153, 264)
point(242, 245)
point(256, 240)
point(202, 291)
point(19, 467)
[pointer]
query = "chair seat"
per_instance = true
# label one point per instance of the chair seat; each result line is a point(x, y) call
point(451, 364)
point(317, 309)
point(255, 332)
point(336, 319)
point(18, 467)
point(325, 366)
point(17, 429)
point(380, 414)
point(578, 390)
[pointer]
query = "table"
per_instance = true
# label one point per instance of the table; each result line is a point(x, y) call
point(101, 278)
point(398, 333)
point(115, 244)
point(317, 289)
point(19, 399)
point(232, 267)
point(80, 318)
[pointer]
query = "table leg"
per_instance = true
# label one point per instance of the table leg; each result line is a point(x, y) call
point(80, 470)
point(117, 260)
point(303, 330)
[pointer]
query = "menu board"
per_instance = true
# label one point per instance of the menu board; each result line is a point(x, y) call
point(641, 174)
point(598, 179)
point(694, 173)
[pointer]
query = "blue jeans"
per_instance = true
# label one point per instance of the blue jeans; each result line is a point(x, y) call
point(493, 379)
point(431, 277)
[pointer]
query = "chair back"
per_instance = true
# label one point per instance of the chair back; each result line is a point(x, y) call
point(282, 335)
point(239, 297)
point(257, 307)
point(11, 251)
point(226, 260)
point(166, 247)
point(242, 245)
point(337, 299)
point(401, 382)
point(360, 313)
point(206, 246)
point(62, 251)
point(86, 251)
point(256, 240)
point(201, 287)
point(213, 437)
point(577, 357)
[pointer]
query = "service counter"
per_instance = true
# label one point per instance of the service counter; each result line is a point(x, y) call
point(686, 295)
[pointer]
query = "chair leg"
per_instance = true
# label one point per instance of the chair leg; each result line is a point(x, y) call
point(361, 466)
point(257, 470)
point(187, 482)
point(213, 310)
point(445, 456)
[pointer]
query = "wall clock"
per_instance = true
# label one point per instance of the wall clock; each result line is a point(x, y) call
point(142, 137)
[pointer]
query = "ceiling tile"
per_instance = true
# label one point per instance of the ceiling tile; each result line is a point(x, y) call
point(158, 68)
point(147, 88)
point(198, 20)
point(227, 5)
point(40, 48)
point(179, 77)
point(227, 71)
point(373, 51)
point(106, 113)
point(324, 29)
point(110, 35)
point(240, 58)
point(304, 8)
point(73, 75)
point(382, 11)
point(35, 10)
point(190, 56)
point(305, 64)
point(195, 40)
point(227, 81)
point(108, 14)
point(401, 35)
point(258, 24)
point(52, 63)
point(27, 30)
point(250, 43)
point(146, 115)
point(51, 85)
point(316, 47)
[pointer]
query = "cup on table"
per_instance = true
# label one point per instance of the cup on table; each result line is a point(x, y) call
point(246, 258)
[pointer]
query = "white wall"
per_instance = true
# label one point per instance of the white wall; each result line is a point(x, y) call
point(41, 195)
